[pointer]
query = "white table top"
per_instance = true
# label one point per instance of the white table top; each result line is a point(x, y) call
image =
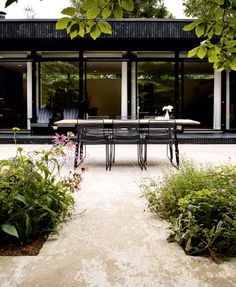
point(110, 121)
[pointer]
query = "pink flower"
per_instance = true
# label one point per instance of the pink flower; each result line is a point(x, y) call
point(59, 139)
point(70, 145)
point(83, 169)
point(70, 134)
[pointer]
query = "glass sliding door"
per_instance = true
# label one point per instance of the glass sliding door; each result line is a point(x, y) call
point(155, 87)
point(103, 88)
point(13, 95)
point(232, 100)
point(198, 92)
point(60, 88)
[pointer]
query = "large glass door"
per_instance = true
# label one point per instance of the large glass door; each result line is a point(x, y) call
point(155, 87)
point(103, 88)
point(197, 89)
point(60, 89)
point(13, 94)
point(232, 100)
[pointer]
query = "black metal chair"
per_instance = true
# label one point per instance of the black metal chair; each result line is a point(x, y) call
point(97, 117)
point(162, 132)
point(92, 133)
point(126, 132)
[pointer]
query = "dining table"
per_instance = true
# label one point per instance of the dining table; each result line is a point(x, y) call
point(81, 122)
point(111, 124)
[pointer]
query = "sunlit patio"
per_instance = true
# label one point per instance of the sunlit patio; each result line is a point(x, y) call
point(112, 239)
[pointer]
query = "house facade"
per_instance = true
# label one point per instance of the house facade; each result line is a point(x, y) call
point(141, 67)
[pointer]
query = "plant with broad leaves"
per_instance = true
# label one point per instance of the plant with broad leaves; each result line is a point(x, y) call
point(34, 198)
point(218, 30)
point(97, 11)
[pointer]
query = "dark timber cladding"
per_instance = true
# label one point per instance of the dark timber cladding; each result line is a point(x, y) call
point(128, 34)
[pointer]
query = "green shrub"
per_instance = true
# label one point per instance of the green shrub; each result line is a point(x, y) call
point(33, 198)
point(201, 205)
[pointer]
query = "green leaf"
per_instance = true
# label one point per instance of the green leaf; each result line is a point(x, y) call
point(188, 245)
point(105, 27)
point(88, 4)
point(10, 229)
point(70, 11)
point(211, 55)
point(219, 13)
point(234, 3)
point(202, 51)
point(200, 30)
point(193, 52)
point(127, 5)
point(73, 34)
point(106, 12)
point(62, 23)
point(20, 198)
point(117, 12)
point(218, 29)
point(95, 32)
point(81, 32)
point(189, 27)
point(89, 26)
point(28, 225)
point(9, 2)
point(220, 2)
point(93, 12)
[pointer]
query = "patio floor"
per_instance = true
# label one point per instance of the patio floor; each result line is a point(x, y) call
point(116, 242)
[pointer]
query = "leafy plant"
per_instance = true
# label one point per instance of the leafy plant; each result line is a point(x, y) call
point(201, 206)
point(34, 199)
point(217, 28)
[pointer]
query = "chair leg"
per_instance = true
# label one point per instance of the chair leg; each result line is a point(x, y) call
point(177, 154)
point(140, 155)
point(76, 155)
point(107, 156)
point(145, 154)
point(170, 149)
point(113, 152)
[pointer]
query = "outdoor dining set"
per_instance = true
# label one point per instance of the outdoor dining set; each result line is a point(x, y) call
point(139, 132)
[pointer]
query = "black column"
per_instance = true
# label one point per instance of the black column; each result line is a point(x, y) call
point(81, 100)
point(34, 91)
point(177, 96)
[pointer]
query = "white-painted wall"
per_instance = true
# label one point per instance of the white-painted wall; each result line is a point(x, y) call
point(29, 93)
point(217, 101)
point(124, 92)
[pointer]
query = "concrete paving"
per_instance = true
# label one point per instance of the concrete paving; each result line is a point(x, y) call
point(116, 241)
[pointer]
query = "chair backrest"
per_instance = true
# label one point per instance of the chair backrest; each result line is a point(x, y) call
point(44, 115)
point(126, 128)
point(92, 128)
point(70, 113)
point(126, 117)
point(161, 128)
point(98, 117)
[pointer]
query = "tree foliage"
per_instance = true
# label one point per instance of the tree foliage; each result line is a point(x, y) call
point(196, 8)
point(218, 30)
point(148, 9)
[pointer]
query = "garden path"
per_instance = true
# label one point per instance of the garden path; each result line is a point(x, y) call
point(112, 240)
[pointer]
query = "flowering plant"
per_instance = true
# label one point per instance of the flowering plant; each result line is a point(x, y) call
point(62, 140)
point(168, 108)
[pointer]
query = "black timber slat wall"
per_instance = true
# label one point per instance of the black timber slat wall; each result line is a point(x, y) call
point(135, 29)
